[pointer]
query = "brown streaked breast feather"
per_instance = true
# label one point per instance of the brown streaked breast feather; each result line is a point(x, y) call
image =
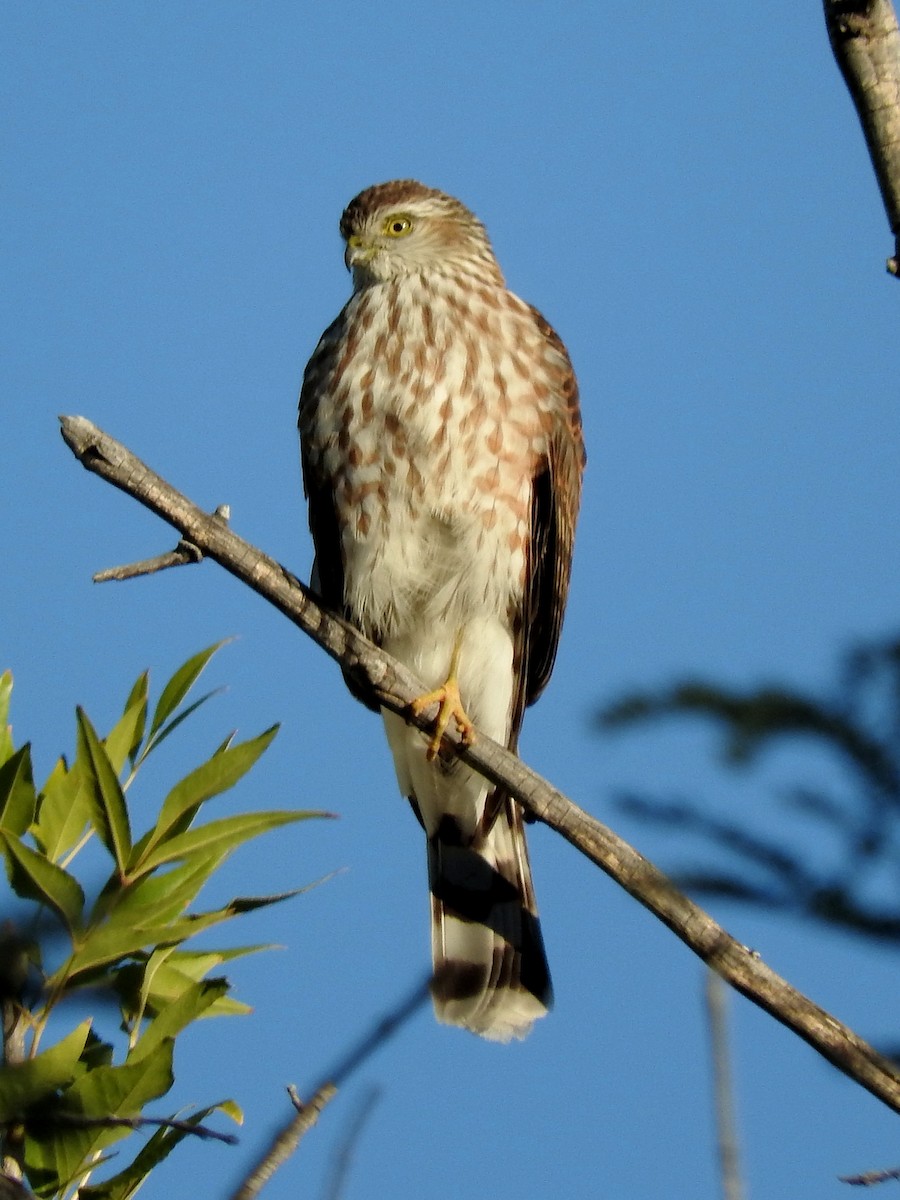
point(328, 568)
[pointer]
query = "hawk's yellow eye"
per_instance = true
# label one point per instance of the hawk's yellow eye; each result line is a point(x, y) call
point(397, 225)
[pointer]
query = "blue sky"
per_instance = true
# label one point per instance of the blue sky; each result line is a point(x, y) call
point(691, 204)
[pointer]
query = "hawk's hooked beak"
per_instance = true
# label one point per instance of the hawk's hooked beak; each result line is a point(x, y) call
point(357, 252)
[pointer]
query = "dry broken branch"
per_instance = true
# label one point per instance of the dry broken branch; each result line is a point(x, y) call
point(393, 686)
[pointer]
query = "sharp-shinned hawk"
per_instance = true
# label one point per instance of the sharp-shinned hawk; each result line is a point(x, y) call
point(442, 460)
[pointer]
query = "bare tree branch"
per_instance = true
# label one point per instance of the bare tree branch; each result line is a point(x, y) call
point(866, 42)
point(393, 686)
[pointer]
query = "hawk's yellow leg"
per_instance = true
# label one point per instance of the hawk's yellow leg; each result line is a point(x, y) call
point(450, 708)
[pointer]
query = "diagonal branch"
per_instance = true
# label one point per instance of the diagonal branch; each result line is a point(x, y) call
point(394, 687)
point(865, 39)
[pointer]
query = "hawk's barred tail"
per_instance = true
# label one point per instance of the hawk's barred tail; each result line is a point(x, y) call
point(490, 969)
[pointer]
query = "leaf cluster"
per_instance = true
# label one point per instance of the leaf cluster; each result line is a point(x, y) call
point(62, 1106)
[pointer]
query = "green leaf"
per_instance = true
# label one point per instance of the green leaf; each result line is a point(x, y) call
point(195, 964)
point(155, 963)
point(156, 899)
point(17, 795)
point(168, 973)
point(33, 877)
point(96, 1053)
point(110, 942)
point(160, 737)
point(213, 777)
point(110, 811)
point(140, 692)
point(107, 944)
point(223, 746)
point(232, 1109)
point(67, 1150)
point(123, 740)
point(245, 904)
point(220, 836)
point(180, 684)
point(46, 1183)
point(27, 1084)
point(193, 1002)
point(123, 1091)
point(63, 811)
point(133, 983)
point(6, 742)
point(228, 1006)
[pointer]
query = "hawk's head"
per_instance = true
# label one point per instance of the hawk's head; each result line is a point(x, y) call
point(404, 228)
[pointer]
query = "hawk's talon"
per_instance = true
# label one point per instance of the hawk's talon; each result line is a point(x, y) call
point(450, 708)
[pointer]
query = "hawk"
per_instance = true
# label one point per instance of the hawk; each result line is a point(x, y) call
point(442, 459)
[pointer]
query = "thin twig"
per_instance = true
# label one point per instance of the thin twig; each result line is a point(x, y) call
point(390, 684)
point(183, 554)
point(723, 1088)
point(81, 1121)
